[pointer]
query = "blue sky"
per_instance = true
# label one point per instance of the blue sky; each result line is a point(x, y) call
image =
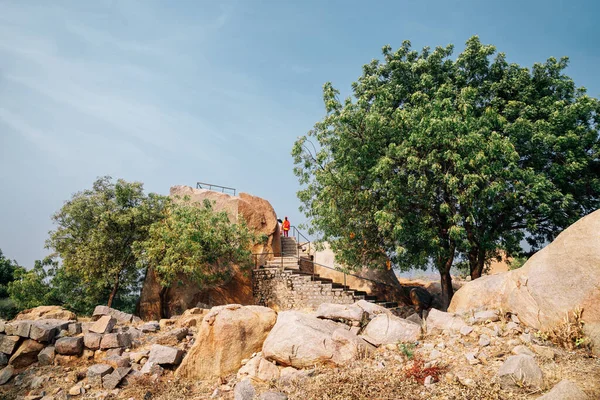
point(174, 92)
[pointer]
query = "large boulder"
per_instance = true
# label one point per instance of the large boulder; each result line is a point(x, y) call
point(46, 312)
point(227, 335)
point(389, 329)
point(260, 217)
point(556, 281)
point(301, 340)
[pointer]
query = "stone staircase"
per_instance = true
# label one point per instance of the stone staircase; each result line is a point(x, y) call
point(289, 263)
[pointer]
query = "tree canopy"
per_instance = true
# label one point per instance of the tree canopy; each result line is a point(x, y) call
point(194, 241)
point(435, 160)
point(96, 230)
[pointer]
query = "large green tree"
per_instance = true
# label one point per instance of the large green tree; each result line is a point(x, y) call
point(96, 230)
point(194, 241)
point(435, 160)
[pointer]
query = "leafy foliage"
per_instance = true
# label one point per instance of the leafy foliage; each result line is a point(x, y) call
point(96, 231)
point(8, 268)
point(194, 241)
point(436, 161)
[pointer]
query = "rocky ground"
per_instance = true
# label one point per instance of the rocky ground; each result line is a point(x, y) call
point(359, 351)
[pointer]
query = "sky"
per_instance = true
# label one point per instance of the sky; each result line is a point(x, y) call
point(175, 92)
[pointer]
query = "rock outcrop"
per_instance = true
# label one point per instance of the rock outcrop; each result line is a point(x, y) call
point(556, 281)
point(228, 334)
point(260, 218)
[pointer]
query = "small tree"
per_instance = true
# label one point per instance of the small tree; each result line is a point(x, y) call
point(96, 231)
point(194, 241)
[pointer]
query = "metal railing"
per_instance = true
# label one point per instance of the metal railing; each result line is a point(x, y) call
point(210, 186)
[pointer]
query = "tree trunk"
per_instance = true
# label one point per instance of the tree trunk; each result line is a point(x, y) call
point(476, 262)
point(164, 306)
point(447, 290)
point(114, 291)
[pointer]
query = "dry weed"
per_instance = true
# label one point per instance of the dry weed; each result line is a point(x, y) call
point(569, 334)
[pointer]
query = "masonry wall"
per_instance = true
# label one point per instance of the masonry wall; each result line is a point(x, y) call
point(284, 290)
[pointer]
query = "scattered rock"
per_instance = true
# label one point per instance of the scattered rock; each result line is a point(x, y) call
point(120, 316)
point(96, 372)
point(6, 373)
point(415, 318)
point(472, 358)
point(46, 356)
point(3, 359)
point(74, 328)
point(150, 327)
point(69, 346)
point(290, 375)
point(92, 340)
point(26, 354)
point(271, 395)
point(136, 357)
point(484, 340)
point(244, 390)
point(116, 361)
point(8, 344)
point(520, 349)
point(466, 330)
point(173, 337)
point(439, 320)
point(565, 390)
point(112, 380)
point(385, 329)
point(76, 390)
point(104, 324)
point(482, 317)
point(165, 355)
point(114, 340)
point(259, 369)
point(520, 370)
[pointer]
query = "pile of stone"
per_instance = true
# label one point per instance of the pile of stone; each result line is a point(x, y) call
point(55, 337)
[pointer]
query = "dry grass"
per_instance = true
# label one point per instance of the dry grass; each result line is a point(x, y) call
point(359, 382)
point(569, 334)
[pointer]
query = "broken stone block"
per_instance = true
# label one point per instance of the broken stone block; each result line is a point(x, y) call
point(18, 328)
point(2, 326)
point(103, 325)
point(165, 355)
point(114, 352)
point(96, 372)
point(117, 361)
point(150, 327)
point(6, 373)
point(3, 360)
point(113, 379)
point(136, 357)
point(92, 340)
point(26, 354)
point(46, 356)
point(114, 340)
point(121, 317)
point(74, 328)
point(46, 330)
point(8, 344)
point(69, 346)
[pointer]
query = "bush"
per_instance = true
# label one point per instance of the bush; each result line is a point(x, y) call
point(8, 310)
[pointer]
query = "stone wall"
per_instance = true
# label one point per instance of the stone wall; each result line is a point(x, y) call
point(284, 290)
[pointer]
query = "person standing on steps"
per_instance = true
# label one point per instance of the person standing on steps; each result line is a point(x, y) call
point(286, 227)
